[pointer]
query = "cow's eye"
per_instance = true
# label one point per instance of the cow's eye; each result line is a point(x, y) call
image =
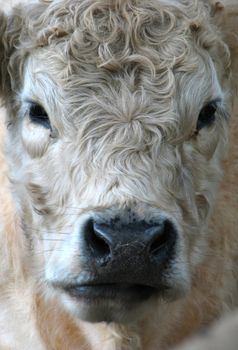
point(38, 115)
point(207, 115)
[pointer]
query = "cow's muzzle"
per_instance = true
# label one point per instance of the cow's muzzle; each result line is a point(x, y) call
point(123, 261)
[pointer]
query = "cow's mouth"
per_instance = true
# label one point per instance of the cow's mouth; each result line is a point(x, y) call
point(107, 302)
point(118, 302)
point(95, 293)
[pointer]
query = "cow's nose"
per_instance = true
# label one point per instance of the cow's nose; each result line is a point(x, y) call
point(118, 243)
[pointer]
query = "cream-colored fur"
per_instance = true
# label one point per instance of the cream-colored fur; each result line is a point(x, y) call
point(184, 183)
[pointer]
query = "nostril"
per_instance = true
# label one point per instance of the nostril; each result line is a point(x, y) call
point(163, 238)
point(97, 243)
point(100, 244)
point(157, 243)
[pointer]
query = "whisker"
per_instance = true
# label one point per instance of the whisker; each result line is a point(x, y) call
point(45, 231)
point(48, 251)
point(51, 239)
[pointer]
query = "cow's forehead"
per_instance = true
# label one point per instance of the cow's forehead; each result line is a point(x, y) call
point(119, 34)
point(88, 45)
point(122, 60)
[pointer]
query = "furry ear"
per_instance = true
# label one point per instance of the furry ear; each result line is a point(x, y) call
point(11, 29)
point(226, 17)
point(16, 42)
point(3, 66)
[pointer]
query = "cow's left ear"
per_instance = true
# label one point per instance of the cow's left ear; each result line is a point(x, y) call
point(225, 15)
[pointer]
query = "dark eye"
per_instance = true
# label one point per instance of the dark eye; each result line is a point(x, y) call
point(207, 115)
point(38, 115)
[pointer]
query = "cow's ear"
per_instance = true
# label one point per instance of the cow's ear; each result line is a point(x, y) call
point(225, 14)
point(11, 26)
point(3, 53)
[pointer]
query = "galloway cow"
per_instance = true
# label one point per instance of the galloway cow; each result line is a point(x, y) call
point(117, 124)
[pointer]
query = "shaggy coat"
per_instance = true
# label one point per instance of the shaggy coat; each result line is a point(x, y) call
point(121, 86)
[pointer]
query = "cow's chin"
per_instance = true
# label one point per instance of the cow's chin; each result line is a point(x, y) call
point(112, 302)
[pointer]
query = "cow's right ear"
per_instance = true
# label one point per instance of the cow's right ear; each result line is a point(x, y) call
point(10, 31)
point(3, 53)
